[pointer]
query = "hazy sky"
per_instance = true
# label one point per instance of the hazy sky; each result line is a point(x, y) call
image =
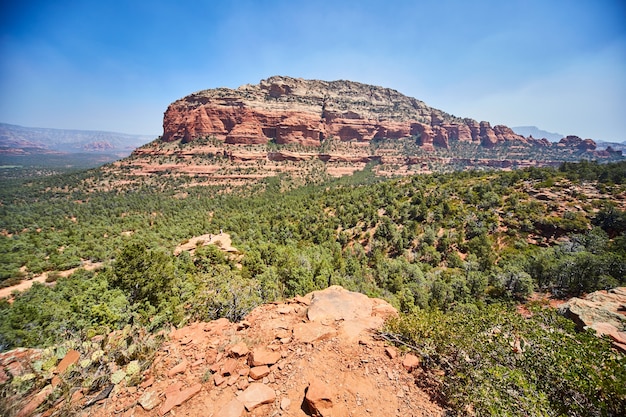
point(116, 64)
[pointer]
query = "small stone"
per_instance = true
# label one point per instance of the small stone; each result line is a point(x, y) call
point(285, 403)
point(218, 379)
point(239, 350)
point(283, 333)
point(261, 357)
point(232, 380)
point(179, 397)
point(210, 356)
point(259, 372)
point(284, 310)
point(70, 358)
point(243, 384)
point(302, 300)
point(244, 371)
point(233, 409)
point(149, 400)
point(318, 397)
point(229, 367)
point(178, 369)
point(255, 395)
point(391, 352)
point(148, 382)
point(410, 362)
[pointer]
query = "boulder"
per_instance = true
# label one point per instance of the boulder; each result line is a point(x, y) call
point(598, 307)
point(603, 311)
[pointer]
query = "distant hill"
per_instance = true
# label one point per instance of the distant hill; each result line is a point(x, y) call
point(616, 146)
point(20, 140)
point(537, 133)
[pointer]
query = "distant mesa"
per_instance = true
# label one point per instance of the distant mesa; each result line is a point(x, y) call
point(537, 133)
point(20, 140)
point(296, 111)
point(312, 129)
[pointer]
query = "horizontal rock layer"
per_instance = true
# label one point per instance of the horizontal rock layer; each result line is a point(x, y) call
point(288, 110)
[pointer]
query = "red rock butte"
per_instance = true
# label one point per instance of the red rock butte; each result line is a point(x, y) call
point(296, 111)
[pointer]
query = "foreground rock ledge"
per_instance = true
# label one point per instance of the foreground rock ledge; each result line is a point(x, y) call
point(319, 356)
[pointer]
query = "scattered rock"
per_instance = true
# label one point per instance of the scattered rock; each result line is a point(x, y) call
point(242, 384)
point(35, 402)
point(285, 403)
point(257, 394)
point(354, 377)
point(261, 356)
point(318, 398)
point(178, 369)
point(302, 300)
point(70, 358)
point(259, 372)
point(239, 350)
point(149, 400)
point(218, 379)
point(147, 383)
point(178, 397)
point(284, 310)
point(391, 352)
point(229, 367)
point(233, 409)
point(410, 362)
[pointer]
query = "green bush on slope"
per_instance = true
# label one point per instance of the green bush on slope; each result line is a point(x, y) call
point(492, 361)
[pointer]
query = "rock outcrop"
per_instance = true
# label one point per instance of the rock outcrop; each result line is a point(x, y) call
point(289, 110)
point(314, 355)
point(603, 311)
point(312, 130)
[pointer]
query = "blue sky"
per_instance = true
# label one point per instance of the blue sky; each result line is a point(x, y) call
point(116, 65)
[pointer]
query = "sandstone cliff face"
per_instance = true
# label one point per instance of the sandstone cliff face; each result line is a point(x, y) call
point(288, 110)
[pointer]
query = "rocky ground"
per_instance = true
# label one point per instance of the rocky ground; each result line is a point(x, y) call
point(316, 355)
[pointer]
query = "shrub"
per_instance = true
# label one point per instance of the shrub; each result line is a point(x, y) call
point(492, 361)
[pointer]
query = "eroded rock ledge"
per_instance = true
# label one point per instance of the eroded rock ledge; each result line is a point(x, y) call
point(289, 110)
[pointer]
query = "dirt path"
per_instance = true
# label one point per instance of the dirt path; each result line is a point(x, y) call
point(24, 285)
